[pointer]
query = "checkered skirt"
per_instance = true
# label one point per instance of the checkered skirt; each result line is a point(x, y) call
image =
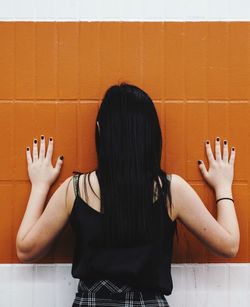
point(108, 293)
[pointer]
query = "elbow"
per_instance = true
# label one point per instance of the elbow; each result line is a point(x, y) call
point(231, 251)
point(25, 258)
point(227, 249)
point(29, 256)
point(23, 255)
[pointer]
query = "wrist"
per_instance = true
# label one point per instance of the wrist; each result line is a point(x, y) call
point(40, 188)
point(225, 191)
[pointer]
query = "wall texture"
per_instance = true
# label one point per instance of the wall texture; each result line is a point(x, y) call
point(53, 76)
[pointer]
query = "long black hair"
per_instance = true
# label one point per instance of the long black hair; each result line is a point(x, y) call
point(129, 146)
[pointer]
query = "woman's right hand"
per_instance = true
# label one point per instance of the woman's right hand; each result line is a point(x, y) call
point(221, 167)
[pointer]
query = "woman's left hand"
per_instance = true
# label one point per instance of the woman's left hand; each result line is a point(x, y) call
point(40, 168)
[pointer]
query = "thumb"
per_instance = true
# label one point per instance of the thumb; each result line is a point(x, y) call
point(202, 168)
point(59, 163)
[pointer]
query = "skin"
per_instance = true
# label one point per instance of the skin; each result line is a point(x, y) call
point(42, 223)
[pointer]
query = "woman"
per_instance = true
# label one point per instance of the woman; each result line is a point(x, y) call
point(124, 213)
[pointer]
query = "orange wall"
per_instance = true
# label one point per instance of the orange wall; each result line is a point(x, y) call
point(53, 76)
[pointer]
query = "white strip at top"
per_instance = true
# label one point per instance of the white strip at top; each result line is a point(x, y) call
point(125, 10)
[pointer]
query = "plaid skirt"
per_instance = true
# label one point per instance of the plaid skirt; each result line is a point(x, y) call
point(108, 293)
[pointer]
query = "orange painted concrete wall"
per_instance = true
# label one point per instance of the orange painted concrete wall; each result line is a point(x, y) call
point(53, 75)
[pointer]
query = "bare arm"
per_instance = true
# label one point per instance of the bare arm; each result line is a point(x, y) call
point(40, 227)
point(220, 235)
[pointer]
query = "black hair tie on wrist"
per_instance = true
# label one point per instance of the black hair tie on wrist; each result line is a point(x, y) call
point(226, 198)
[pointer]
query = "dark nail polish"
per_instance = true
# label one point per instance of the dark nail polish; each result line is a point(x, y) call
point(217, 139)
point(42, 137)
point(35, 141)
point(207, 142)
point(233, 149)
point(225, 142)
point(199, 162)
point(61, 157)
point(27, 149)
point(50, 139)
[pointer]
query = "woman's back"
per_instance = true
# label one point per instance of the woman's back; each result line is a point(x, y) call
point(90, 193)
point(142, 266)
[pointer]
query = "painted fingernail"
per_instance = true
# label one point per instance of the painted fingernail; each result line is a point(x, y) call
point(225, 142)
point(35, 141)
point(233, 149)
point(50, 139)
point(61, 157)
point(199, 162)
point(217, 139)
point(207, 142)
point(27, 149)
point(42, 137)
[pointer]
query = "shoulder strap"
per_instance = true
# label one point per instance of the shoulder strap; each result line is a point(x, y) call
point(85, 188)
point(169, 177)
point(76, 177)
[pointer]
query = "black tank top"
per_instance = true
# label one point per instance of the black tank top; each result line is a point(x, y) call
point(144, 267)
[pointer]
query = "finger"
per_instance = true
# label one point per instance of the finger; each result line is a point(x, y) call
point(42, 148)
point(232, 156)
point(209, 152)
point(225, 151)
point(35, 150)
point(217, 149)
point(59, 163)
point(28, 156)
point(50, 149)
point(202, 168)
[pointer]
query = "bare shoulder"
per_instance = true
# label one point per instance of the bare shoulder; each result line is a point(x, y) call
point(177, 181)
point(180, 189)
point(68, 190)
point(178, 184)
point(172, 212)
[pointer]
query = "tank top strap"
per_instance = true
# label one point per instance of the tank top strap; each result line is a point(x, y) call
point(76, 178)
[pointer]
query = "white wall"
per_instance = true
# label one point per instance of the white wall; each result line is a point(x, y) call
point(138, 10)
point(195, 285)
